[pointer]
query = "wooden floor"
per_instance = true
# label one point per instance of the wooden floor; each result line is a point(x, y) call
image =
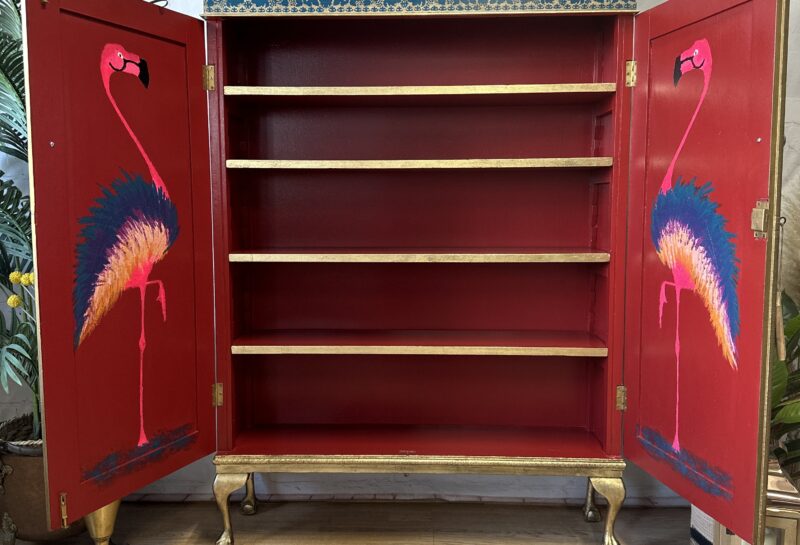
point(410, 523)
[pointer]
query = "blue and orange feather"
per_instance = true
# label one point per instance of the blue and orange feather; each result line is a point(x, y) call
point(132, 209)
point(687, 229)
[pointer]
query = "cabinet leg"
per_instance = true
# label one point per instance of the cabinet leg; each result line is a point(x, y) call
point(612, 490)
point(224, 485)
point(249, 504)
point(590, 511)
point(101, 523)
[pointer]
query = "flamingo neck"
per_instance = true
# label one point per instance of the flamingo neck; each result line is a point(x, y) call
point(159, 183)
point(666, 184)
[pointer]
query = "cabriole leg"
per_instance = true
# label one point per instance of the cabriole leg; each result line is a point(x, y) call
point(101, 523)
point(612, 490)
point(224, 485)
point(590, 512)
point(248, 506)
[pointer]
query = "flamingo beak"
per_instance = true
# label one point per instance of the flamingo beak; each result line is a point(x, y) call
point(144, 73)
point(678, 74)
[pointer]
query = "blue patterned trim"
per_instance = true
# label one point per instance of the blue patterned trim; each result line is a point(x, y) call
point(327, 7)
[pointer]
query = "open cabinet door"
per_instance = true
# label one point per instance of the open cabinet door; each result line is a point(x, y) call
point(707, 134)
point(120, 181)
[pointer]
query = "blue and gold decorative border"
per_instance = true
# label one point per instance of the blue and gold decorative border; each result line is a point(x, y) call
point(408, 7)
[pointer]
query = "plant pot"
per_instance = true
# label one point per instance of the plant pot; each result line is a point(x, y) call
point(23, 497)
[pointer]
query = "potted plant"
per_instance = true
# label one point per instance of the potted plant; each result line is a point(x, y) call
point(22, 481)
point(785, 426)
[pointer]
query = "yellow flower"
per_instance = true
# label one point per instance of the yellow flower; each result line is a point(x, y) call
point(15, 277)
point(14, 301)
point(27, 279)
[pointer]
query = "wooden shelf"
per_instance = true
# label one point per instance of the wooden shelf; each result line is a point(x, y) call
point(419, 164)
point(444, 95)
point(417, 440)
point(422, 90)
point(422, 342)
point(471, 255)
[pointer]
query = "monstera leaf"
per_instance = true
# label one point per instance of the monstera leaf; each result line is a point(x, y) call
point(13, 122)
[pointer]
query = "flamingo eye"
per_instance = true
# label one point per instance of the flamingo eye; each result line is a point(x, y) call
point(119, 54)
point(696, 52)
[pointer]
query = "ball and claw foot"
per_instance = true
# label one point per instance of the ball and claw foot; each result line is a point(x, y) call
point(590, 511)
point(249, 504)
point(613, 490)
point(226, 538)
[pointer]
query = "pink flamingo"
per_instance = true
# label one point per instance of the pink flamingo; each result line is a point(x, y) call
point(128, 231)
point(690, 238)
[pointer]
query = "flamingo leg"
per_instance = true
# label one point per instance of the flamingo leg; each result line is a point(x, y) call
point(676, 444)
point(662, 299)
point(142, 346)
point(162, 296)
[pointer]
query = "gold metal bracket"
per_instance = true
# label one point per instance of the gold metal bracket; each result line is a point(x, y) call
point(622, 398)
point(62, 501)
point(631, 73)
point(216, 395)
point(759, 220)
point(209, 77)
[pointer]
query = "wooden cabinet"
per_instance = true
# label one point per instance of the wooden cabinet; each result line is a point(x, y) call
point(438, 237)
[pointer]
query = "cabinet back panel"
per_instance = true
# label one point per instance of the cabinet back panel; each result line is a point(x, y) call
point(438, 390)
point(412, 132)
point(419, 51)
point(413, 296)
point(422, 209)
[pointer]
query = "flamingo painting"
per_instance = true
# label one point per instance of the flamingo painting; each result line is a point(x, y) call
point(691, 239)
point(130, 228)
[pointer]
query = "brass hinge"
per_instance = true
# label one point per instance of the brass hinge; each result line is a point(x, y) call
point(216, 395)
point(631, 73)
point(759, 219)
point(622, 398)
point(209, 77)
point(62, 501)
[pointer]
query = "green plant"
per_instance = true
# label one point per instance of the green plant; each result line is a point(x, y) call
point(18, 342)
point(13, 120)
point(785, 428)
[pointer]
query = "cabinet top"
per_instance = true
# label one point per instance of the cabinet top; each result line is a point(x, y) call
point(214, 8)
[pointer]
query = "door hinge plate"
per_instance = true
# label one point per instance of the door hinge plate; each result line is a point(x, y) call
point(622, 398)
point(62, 502)
point(759, 219)
point(209, 77)
point(217, 395)
point(631, 73)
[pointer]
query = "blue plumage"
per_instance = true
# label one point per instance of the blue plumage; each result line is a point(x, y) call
point(129, 198)
point(691, 206)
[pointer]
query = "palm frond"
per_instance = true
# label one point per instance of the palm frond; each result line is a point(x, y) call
point(11, 19)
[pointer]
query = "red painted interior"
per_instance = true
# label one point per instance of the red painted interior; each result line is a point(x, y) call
point(414, 209)
point(420, 51)
point(426, 404)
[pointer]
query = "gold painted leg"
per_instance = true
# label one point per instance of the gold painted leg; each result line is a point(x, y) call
point(590, 511)
point(612, 490)
point(101, 523)
point(224, 485)
point(249, 504)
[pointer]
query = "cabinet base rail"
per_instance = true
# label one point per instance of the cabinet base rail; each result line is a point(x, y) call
point(604, 476)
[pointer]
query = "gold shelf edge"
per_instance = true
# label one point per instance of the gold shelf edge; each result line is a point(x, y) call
point(565, 162)
point(588, 257)
point(420, 90)
point(383, 350)
point(598, 467)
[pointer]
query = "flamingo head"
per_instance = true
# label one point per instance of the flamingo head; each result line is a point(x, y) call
point(697, 57)
point(115, 59)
